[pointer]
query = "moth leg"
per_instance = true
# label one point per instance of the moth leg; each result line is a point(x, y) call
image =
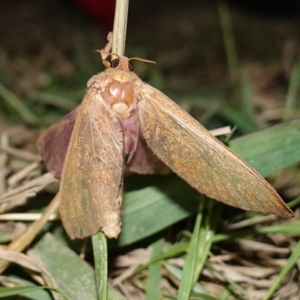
point(105, 52)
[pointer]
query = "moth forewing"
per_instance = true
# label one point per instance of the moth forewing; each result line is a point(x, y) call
point(53, 143)
point(92, 178)
point(205, 163)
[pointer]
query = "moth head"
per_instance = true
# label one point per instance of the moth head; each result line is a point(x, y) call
point(123, 63)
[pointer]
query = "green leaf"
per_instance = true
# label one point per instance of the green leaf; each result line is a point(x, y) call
point(75, 278)
point(152, 209)
point(272, 149)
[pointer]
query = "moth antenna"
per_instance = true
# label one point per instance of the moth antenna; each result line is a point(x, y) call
point(141, 59)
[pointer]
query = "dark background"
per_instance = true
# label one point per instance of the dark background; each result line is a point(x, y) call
point(49, 45)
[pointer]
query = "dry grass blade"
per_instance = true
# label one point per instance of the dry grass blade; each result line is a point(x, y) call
point(221, 131)
point(20, 194)
point(130, 261)
point(226, 273)
point(21, 242)
point(21, 154)
point(254, 246)
point(23, 173)
point(26, 217)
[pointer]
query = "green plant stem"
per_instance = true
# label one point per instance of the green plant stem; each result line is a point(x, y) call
point(100, 256)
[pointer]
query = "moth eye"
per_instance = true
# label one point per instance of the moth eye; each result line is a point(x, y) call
point(130, 66)
point(114, 63)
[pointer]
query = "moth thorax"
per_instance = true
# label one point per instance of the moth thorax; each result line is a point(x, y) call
point(120, 107)
point(122, 76)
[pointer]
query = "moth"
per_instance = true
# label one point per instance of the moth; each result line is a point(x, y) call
point(124, 122)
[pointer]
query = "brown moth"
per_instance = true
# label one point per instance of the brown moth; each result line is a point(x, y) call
point(124, 122)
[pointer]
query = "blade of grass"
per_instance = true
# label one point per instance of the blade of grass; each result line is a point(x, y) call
point(291, 96)
point(206, 234)
point(175, 250)
point(15, 103)
point(198, 250)
point(229, 44)
point(14, 291)
point(39, 294)
point(153, 290)
point(187, 282)
point(176, 272)
point(241, 85)
point(294, 203)
point(288, 266)
point(247, 95)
